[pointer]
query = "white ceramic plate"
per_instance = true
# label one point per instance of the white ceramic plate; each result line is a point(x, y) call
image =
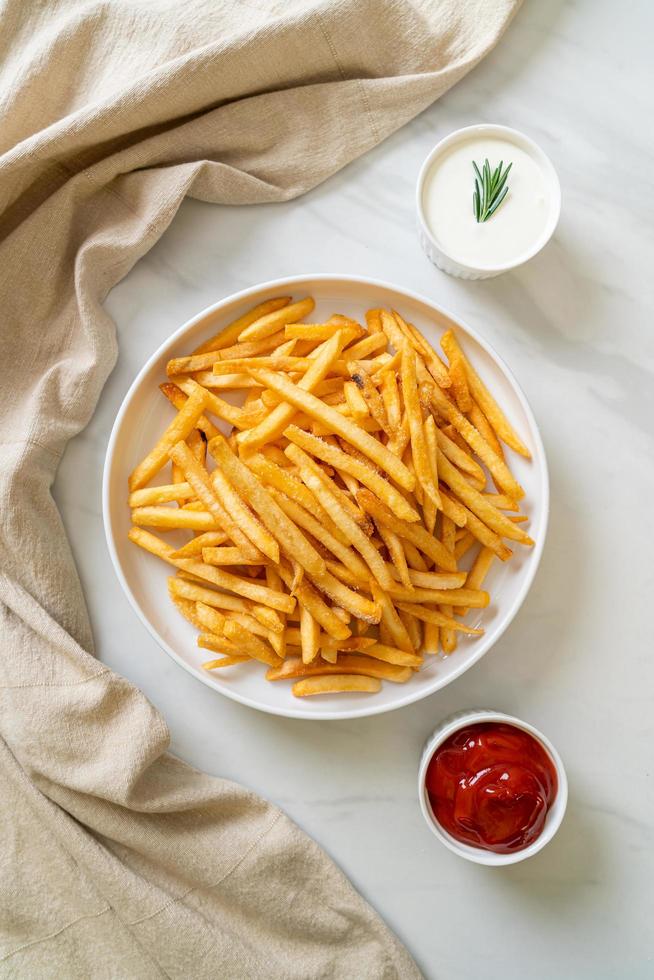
point(144, 415)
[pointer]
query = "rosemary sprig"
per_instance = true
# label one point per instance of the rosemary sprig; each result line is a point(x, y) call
point(490, 189)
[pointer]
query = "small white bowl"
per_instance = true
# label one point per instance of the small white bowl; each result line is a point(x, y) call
point(554, 815)
point(434, 250)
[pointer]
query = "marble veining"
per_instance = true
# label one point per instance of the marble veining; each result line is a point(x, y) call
point(575, 325)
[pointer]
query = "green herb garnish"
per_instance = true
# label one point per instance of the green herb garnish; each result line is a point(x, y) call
point(490, 189)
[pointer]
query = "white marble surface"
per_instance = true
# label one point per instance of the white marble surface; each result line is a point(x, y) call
point(576, 327)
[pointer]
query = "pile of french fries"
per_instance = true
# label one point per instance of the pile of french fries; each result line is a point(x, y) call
point(331, 513)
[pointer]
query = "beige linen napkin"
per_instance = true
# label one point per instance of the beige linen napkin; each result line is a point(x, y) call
point(117, 860)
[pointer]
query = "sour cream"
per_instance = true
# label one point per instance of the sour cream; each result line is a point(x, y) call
point(518, 228)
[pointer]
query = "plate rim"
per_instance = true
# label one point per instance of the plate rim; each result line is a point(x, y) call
point(411, 696)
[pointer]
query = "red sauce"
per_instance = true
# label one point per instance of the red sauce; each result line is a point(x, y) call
point(490, 785)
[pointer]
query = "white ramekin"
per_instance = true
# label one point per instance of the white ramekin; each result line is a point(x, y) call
point(435, 252)
point(554, 815)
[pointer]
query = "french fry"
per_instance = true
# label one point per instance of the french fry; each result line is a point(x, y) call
point(320, 487)
point(338, 424)
point(355, 400)
point(227, 556)
point(229, 661)
point(347, 664)
point(247, 642)
point(396, 554)
point(276, 343)
point(150, 496)
point(371, 396)
point(211, 621)
point(238, 417)
point(206, 489)
point(309, 598)
point(369, 345)
point(429, 615)
point(448, 637)
point(273, 517)
point(171, 517)
point(277, 637)
point(282, 414)
point(309, 636)
point(393, 655)
point(335, 684)
point(363, 472)
point(413, 533)
point(479, 504)
point(478, 573)
point(486, 402)
point(193, 548)
point(179, 429)
point(178, 398)
point(313, 525)
point(392, 621)
point(419, 449)
point(498, 468)
point(186, 608)
point(229, 334)
point(271, 322)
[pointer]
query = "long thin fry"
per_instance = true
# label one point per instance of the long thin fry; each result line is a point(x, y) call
point(487, 403)
point(271, 322)
point(178, 429)
point(230, 333)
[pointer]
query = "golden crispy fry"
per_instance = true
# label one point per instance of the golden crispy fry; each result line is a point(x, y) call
point(498, 468)
point(179, 429)
point(150, 496)
point(478, 573)
point(322, 331)
point(193, 548)
point(394, 655)
point(335, 684)
point(486, 402)
point(321, 487)
point(479, 504)
point(429, 615)
point(413, 533)
point(347, 664)
point(419, 449)
point(215, 497)
point(226, 556)
point(392, 621)
point(186, 608)
point(172, 517)
point(427, 353)
point(308, 597)
point(355, 400)
point(372, 398)
point(282, 414)
point(461, 459)
point(430, 638)
point(279, 525)
point(363, 472)
point(276, 343)
point(211, 621)
point(241, 418)
point(247, 642)
point(466, 597)
point(309, 636)
point(396, 554)
point(341, 426)
point(230, 333)
point(369, 345)
point(435, 580)
point(178, 398)
point(271, 322)
point(448, 637)
point(316, 527)
point(229, 661)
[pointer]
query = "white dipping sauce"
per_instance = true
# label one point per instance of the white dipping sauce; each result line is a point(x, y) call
point(512, 230)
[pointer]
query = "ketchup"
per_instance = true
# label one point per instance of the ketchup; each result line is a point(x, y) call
point(490, 785)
